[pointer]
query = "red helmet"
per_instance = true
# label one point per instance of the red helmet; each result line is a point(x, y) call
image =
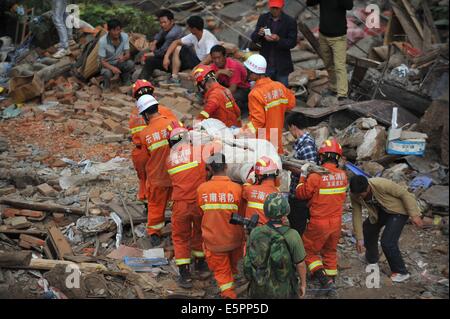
point(176, 129)
point(331, 146)
point(140, 84)
point(200, 73)
point(266, 166)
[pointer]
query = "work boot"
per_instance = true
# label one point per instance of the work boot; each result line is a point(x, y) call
point(325, 281)
point(201, 267)
point(185, 279)
point(155, 240)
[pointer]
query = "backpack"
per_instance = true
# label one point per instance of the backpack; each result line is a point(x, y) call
point(268, 265)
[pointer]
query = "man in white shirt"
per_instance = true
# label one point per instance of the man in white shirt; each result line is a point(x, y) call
point(191, 50)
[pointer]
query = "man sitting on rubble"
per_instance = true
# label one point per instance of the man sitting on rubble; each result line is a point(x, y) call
point(218, 100)
point(231, 74)
point(191, 50)
point(114, 54)
point(304, 150)
point(170, 32)
point(390, 206)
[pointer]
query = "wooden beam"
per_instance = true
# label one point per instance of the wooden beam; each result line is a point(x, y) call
point(17, 258)
point(310, 37)
point(46, 207)
point(430, 22)
point(60, 242)
point(413, 35)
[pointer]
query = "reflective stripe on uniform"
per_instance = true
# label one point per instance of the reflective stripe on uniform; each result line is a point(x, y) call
point(226, 286)
point(157, 145)
point(219, 206)
point(332, 191)
point(158, 226)
point(137, 129)
point(314, 265)
point(198, 254)
point(205, 114)
point(275, 103)
point(331, 272)
point(251, 127)
point(181, 168)
point(255, 205)
point(229, 105)
point(182, 261)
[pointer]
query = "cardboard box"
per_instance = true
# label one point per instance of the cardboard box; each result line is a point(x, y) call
point(24, 88)
point(397, 145)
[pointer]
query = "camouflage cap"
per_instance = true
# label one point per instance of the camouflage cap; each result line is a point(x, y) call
point(276, 206)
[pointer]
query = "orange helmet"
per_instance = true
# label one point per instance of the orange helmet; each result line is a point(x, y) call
point(201, 73)
point(176, 129)
point(331, 146)
point(266, 166)
point(140, 84)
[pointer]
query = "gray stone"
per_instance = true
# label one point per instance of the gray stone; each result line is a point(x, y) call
point(437, 196)
point(235, 11)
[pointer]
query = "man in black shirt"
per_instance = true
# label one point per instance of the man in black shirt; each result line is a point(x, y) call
point(276, 32)
point(333, 42)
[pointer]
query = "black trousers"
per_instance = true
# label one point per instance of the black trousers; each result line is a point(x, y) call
point(151, 64)
point(298, 218)
point(241, 97)
point(393, 226)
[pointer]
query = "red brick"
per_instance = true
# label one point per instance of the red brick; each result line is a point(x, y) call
point(47, 190)
point(33, 241)
point(10, 212)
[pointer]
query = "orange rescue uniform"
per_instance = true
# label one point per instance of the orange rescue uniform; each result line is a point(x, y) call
point(267, 103)
point(220, 104)
point(218, 199)
point(187, 172)
point(326, 194)
point(255, 196)
point(155, 140)
point(139, 154)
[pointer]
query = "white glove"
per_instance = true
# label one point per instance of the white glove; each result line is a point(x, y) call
point(305, 169)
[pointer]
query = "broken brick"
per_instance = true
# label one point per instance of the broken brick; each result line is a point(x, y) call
point(31, 240)
point(7, 190)
point(47, 190)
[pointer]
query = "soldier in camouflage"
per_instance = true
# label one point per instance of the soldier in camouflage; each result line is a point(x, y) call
point(275, 254)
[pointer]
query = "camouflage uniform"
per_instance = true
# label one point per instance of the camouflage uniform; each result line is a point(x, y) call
point(272, 254)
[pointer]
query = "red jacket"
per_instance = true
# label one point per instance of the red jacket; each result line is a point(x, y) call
point(326, 193)
point(220, 104)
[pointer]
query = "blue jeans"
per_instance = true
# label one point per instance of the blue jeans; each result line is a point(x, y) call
point(275, 76)
point(393, 226)
point(59, 19)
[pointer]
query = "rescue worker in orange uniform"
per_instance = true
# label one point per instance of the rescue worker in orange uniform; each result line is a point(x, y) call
point(139, 155)
point(218, 199)
point(218, 100)
point(266, 172)
point(187, 173)
point(268, 102)
point(326, 196)
point(155, 139)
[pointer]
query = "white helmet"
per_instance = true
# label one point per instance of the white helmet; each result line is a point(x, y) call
point(146, 101)
point(256, 63)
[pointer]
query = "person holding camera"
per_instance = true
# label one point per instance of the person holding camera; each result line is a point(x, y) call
point(219, 199)
point(326, 194)
point(266, 172)
point(275, 255)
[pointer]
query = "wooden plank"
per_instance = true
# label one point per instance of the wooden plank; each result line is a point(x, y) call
point(430, 22)
point(17, 258)
point(413, 35)
point(381, 110)
point(319, 112)
point(15, 233)
point(412, 14)
point(60, 242)
point(310, 37)
point(362, 62)
point(46, 207)
point(47, 264)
